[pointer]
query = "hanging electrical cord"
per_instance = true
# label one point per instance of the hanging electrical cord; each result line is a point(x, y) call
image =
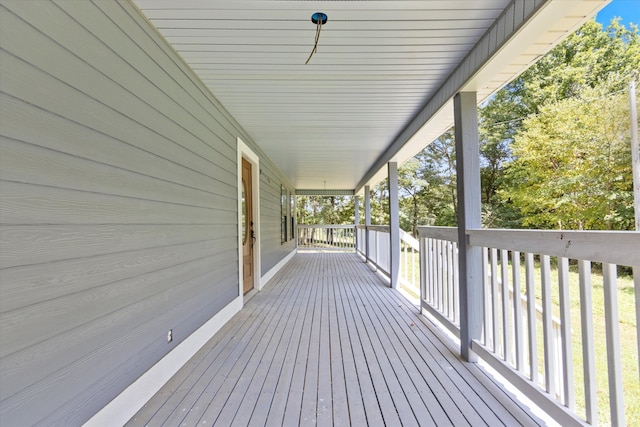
point(319, 19)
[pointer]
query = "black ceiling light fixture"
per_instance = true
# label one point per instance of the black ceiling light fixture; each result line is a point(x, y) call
point(319, 19)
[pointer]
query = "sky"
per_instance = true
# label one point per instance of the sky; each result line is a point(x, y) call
point(628, 10)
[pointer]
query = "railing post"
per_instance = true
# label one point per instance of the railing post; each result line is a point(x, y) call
point(468, 184)
point(367, 220)
point(356, 217)
point(394, 225)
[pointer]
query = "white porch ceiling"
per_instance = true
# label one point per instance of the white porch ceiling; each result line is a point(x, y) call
point(378, 64)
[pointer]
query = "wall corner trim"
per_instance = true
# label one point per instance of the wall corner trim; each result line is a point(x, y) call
point(121, 409)
point(269, 274)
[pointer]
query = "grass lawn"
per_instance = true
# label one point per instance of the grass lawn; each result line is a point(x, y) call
point(628, 338)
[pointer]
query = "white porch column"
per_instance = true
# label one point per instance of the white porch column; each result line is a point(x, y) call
point(356, 216)
point(367, 219)
point(356, 208)
point(470, 258)
point(394, 224)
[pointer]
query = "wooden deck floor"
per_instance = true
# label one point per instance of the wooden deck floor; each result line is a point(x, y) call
point(327, 343)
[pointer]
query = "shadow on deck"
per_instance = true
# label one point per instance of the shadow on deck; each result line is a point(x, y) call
point(328, 343)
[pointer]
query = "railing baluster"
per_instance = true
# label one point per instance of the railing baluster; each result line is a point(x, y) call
point(438, 290)
point(415, 272)
point(456, 284)
point(429, 272)
point(375, 243)
point(423, 270)
point(547, 327)
point(588, 345)
point(403, 255)
point(636, 287)
point(565, 325)
point(437, 274)
point(531, 317)
point(517, 310)
point(488, 340)
point(434, 287)
point(452, 285)
point(441, 276)
point(494, 301)
point(614, 363)
point(504, 287)
point(445, 284)
point(445, 279)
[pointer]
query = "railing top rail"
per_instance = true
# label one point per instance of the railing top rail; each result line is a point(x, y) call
point(326, 226)
point(442, 233)
point(616, 247)
point(410, 240)
point(383, 228)
point(380, 228)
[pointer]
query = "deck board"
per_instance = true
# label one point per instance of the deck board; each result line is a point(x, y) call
point(327, 343)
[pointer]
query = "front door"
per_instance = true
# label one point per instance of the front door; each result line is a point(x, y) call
point(248, 237)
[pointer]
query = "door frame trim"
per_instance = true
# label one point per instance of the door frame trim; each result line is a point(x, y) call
point(245, 152)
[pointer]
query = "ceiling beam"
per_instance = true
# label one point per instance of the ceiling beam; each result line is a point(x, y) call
point(316, 192)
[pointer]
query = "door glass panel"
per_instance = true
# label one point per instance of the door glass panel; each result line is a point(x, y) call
point(244, 212)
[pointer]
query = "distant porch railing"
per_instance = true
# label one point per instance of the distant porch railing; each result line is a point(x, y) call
point(327, 237)
point(530, 343)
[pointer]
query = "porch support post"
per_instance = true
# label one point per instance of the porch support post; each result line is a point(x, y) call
point(394, 224)
point(356, 216)
point(367, 220)
point(356, 209)
point(468, 182)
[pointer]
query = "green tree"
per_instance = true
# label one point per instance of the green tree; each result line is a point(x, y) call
point(325, 209)
point(380, 203)
point(572, 166)
point(411, 185)
point(428, 186)
point(588, 63)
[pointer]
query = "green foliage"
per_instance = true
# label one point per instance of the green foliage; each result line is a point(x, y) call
point(324, 209)
point(554, 142)
point(584, 60)
point(428, 186)
point(380, 203)
point(572, 166)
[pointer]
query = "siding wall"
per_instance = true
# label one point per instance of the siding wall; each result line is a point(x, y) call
point(270, 220)
point(118, 206)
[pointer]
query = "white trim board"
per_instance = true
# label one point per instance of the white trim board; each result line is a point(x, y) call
point(269, 274)
point(121, 409)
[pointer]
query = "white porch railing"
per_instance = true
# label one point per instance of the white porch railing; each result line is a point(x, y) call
point(379, 254)
point(327, 237)
point(439, 275)
point(378, 239)
point(531, 344)
point(409, 277)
